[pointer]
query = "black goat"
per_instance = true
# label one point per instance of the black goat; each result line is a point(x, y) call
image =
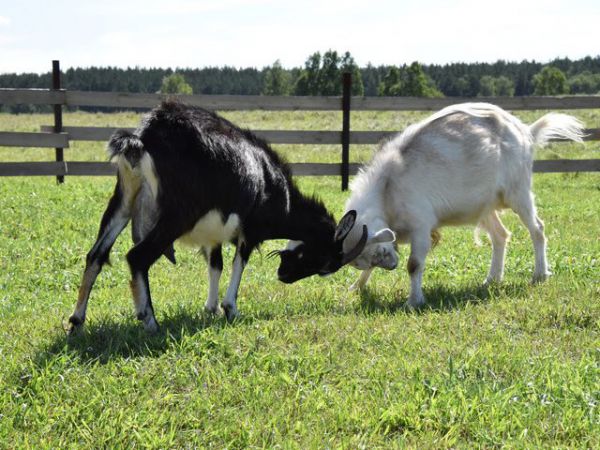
point(188, 174)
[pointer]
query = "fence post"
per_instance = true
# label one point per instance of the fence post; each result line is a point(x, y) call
point(58, 125)
point(346, 92)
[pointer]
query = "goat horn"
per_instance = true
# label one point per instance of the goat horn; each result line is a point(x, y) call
point(358, 248)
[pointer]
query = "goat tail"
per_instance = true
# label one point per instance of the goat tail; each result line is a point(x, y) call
point(556, 126)
point(134, 163)
point(124, 144)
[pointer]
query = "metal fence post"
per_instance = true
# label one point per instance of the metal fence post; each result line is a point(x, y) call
point(346, 92)
point(58, 125)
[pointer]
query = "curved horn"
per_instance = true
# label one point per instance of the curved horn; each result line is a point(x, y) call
point(345, 225)
point(358, 248)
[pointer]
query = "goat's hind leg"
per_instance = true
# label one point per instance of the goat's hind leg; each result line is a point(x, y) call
point(499, 237)
point(144, 214)
point(114, 220)
point(524, 206)
point(140, 259)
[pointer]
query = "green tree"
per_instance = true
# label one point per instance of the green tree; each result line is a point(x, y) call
point(496, 86)
point(277, 80)
point(408, 81)
point(504, 87)
point(175, 84)
point(461, 86)
point(322, 75)
point(550, 81)
point(348, 65)
point(487, 86)
point(391, 84)
point(307, 82)
point(585, 83)
point(417, 84)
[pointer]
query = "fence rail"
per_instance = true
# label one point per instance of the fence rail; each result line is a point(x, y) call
point(63, 168)
point(273, 136)
point(284, 103)
point(23, 139)
point(59, 136)
point(81, 168)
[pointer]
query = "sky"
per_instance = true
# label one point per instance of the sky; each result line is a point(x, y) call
point(256, 33)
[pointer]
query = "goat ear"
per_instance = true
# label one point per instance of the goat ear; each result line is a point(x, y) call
point(344, 226)
point(383, 236)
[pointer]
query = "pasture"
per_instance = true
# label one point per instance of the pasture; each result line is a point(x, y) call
point(308, 365)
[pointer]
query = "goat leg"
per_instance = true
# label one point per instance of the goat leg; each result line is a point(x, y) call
point(114, 220)
point(140, 259)
point(362, 280)
point(229, 304)
point(214, 258)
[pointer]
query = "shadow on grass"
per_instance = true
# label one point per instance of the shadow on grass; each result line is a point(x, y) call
point(123, 337)
point(439, 298)
point(116, 338)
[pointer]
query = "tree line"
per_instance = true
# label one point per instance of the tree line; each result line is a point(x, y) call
point(322, 75)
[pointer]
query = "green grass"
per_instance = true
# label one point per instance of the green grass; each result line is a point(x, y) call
point(308, 365)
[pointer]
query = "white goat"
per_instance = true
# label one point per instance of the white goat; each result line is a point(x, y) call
point(459, 166)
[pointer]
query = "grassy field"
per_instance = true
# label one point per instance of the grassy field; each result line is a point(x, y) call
point(308, 365)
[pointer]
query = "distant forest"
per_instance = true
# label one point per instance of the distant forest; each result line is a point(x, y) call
point(321, 75)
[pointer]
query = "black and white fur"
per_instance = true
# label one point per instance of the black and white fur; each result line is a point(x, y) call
point(187, 174)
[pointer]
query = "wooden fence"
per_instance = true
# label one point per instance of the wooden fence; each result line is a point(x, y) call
point(59, 136)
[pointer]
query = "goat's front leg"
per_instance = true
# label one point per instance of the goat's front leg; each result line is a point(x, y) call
point(362, 280)
point(420, 244)
point(239, 263)
point(214, 258)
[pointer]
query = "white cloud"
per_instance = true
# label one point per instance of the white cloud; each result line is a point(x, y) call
point(4, 21)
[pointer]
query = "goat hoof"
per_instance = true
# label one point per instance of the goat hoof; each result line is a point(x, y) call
point(415, 304)
point(75, 321)
point(213, 310)
point(540, 277)
point(73, 330)
point(151, 328)
point(230, 312)
point(150, 324)
point(490, 282)
point(75, 325)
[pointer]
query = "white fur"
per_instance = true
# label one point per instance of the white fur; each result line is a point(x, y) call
point(143, 309)
point(229, 301)
point(212, 302)
point(292, 245)
point(210, 230)
point(459, 166)
point(147, 168)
